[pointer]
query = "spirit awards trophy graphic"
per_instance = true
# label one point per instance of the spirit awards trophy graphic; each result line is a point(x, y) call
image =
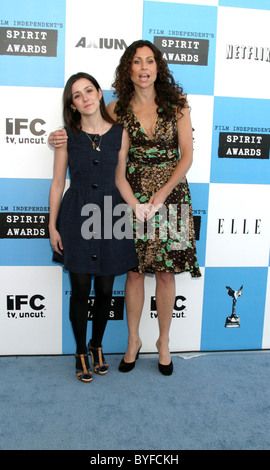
point(233, 321)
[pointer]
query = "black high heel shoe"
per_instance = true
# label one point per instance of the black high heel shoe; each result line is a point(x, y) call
point(128, 366)
point(166, 370)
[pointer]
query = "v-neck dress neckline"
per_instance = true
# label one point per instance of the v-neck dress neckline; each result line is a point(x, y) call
point(141, 127)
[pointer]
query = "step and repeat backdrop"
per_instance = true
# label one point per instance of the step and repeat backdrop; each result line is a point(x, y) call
point(219, 51)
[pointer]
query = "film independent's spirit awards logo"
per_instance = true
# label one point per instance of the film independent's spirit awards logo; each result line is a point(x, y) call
point(28, 41)
point(233, 320)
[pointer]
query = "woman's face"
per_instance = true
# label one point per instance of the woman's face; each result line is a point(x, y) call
point(85, 97)
point(143, 71)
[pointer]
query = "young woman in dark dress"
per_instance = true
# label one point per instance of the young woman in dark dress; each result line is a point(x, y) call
point(95, 155)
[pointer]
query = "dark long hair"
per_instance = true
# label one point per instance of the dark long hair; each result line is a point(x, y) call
point(169, 95)
point(73, 119)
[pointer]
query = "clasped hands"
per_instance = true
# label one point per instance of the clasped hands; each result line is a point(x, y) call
point(146, 211)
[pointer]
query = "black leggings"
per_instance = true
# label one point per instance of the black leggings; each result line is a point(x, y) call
point(80, 290)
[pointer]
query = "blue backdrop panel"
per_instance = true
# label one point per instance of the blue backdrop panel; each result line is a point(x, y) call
point(258, 4)
point(24, 211)
point(240, 145)
point(250, 307)
point(33, 43)
point(186, 35)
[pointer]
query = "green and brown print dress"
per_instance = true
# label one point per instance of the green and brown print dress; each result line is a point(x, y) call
point(167, 243)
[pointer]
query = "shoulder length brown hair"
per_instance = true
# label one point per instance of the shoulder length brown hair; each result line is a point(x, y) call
point(169, 94)
point(72, 119)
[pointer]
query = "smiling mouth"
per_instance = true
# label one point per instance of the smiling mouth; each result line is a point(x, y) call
point(144, 75)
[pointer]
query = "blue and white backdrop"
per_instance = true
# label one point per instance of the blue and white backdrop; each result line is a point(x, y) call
point(219, 51)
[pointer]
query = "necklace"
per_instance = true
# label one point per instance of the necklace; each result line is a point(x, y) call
point(94, 145)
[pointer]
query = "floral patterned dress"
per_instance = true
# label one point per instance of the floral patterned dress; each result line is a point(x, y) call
point(167, 242)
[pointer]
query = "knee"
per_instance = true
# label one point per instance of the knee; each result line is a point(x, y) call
point(103, 289)
point(79, 295)
point(105, 292)
point(135, 278)
point(166, 279)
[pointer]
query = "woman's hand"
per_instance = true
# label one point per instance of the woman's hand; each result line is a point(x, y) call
point(141, 212)
point(58, 138)
point(155, 202)
point(56, 241)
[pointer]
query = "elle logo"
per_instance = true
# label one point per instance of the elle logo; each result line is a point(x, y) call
point(243, 226)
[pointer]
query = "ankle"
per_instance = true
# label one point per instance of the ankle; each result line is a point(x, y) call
point(162, 343)
point(82, 361)
point(134, 341)
point(163, 351)
point(83, 371)
point(98, 359)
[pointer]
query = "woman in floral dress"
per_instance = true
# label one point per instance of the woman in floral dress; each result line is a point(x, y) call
point(153, 109)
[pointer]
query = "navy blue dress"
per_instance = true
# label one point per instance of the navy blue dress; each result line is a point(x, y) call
point(93, 226)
